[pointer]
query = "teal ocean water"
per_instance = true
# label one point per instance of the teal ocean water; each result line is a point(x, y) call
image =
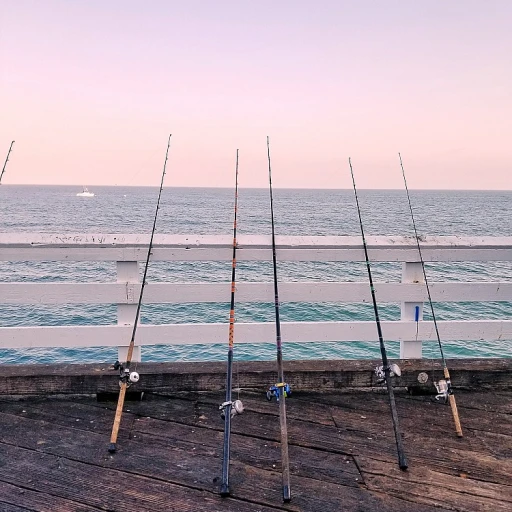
point(56, 209)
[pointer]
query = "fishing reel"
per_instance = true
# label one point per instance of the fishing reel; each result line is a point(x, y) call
point(444, 390)
point(125, 376)
point(380, 372)
point(274, 391)
point(237, 407)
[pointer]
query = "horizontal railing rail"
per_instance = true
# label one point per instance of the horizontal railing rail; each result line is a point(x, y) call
point(312, 291)
point(129, 249)
point(73, 247)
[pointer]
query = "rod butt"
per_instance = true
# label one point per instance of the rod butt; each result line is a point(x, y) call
point(455, 413)
point(402, 464)
point(224, 490)
point(286, 494)
point(112, 448)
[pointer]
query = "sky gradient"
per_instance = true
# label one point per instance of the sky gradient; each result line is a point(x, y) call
point(91, 89)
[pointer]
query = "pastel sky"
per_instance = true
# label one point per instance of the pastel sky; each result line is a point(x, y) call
point(91, 89)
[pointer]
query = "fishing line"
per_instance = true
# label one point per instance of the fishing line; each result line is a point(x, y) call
point(444, 386)
point(127, 377)
point(6, 160)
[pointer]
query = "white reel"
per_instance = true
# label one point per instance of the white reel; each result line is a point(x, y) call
point(394, 369)
point(237, 407)
point(442, 390)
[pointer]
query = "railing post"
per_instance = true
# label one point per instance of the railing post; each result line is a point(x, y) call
point(411, 273)
point(128, 273)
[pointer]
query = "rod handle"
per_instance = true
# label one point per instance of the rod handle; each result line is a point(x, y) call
point(455, 414)
point(117, 418)
point(453, 405)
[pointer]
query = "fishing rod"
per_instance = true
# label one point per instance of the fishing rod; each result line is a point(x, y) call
point(280, 390)
point(230, 408)
point(126, 377)
point(444, 386)
point(6, 160)
point(385, 371)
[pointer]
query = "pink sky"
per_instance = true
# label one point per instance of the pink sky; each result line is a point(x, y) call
point(91, 89)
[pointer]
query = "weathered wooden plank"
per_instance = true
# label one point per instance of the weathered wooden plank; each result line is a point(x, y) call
point(474, 365)
point(15, 498)
point(424, 434)
point(164, 431)
point(491, 401)
point(438, 489)
point(379, 444)
point(105, 488)
point(419, 413)
point(191, 467)
point(184, 430)
point(266, 426)
point(178, 293)
point(430, 440)
point(257, 375)
point(420, 421)
point(9, 507)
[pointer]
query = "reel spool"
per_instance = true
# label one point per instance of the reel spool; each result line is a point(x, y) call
point(443, 390)
point(237, 407)
point(380, 372)
point(125, 376)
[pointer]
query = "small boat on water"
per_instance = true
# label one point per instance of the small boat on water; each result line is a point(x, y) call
point(85, 193)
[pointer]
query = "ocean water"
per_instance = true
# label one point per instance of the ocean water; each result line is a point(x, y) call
point(56, 209)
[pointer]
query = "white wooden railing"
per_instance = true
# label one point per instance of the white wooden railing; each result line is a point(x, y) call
point(129, 250)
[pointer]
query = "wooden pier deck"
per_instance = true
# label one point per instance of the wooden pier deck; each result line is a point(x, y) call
point(53, 448)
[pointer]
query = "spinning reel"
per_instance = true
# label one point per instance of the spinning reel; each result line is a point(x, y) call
point(380, 372)
point(274, 391)
point(236, 408)
point(125, 376)
point(444, 390)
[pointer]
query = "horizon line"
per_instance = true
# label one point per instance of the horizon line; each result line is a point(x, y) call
point(254, 188)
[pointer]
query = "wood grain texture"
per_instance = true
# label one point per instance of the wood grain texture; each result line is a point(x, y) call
point(256, 375)
point(342, 455)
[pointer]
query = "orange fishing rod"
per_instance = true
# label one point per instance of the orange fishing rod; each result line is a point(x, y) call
point(230, 408)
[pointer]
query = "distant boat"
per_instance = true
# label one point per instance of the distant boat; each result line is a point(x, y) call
point(85, 193)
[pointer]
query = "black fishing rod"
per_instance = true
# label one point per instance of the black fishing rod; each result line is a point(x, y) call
point(280, 390)
point(6, 160)
point(230, 408)
point(444, 387)
point(386, 370)
point(126, 378)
